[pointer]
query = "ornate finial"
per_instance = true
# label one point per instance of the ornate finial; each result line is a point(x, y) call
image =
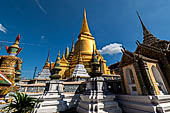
point(17, 39)
point(14, 49)
point(85, 28)
point(72, 49)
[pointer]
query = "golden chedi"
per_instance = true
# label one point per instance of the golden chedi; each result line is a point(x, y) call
point(84, 46)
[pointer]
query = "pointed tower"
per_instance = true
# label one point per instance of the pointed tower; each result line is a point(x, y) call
point(45, 72)
point(84, 48)
point(64, 65)
point(57, 62)
point(14, 49)
point(148, 37)
point(72, 49)
point(47, 64)
point(56, 69)
point(71, 52)
point(63, 60)
point(63, 57)
point(67, 52)
point(85, 39)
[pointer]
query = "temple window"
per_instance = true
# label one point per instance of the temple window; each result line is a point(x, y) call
point(130, 76)
point(159, 81)
point(131, 82)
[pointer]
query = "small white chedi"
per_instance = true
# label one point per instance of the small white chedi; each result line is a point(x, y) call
point(80, 72)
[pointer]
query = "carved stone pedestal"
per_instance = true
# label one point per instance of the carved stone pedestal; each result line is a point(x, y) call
point(52, 99)
point(97, 99)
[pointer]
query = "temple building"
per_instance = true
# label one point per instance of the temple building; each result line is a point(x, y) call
point(145, 71)
point(83, 46)
point(81, 81)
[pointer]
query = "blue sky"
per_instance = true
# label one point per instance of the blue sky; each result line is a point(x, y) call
point(51, 23)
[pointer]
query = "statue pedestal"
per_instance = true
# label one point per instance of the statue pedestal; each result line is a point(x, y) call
point(97, 99)
point(52, 99)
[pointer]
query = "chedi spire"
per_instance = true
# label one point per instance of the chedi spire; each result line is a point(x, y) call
point(46, 66)
point(85, 29)
point(148, 37)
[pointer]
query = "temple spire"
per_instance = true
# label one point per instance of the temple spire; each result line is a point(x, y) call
point(72, 49)
point(67, 52)
point(58, 57)
point(46, 66)
point(85, 28)
point(145, 30)
point(149, 39)
point(57, 62)
point(63, 57)
point(48, 56)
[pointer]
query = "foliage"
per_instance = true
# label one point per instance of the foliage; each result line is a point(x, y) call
point(21, 103)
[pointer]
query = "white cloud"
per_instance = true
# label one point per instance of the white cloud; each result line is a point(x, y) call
point(42, 37)
point(111, 49)
point(3, 29)
point(39, 5)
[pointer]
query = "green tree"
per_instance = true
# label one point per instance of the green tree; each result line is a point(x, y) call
point(22, 103)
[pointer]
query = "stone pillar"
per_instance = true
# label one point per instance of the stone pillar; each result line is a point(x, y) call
point(122, 83)
point(140, 78)
point(147, 78)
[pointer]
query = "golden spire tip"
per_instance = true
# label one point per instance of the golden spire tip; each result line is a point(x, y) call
point(85, 28)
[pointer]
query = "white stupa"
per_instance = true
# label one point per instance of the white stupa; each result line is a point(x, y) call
point(80, 72)
point(44, 74)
